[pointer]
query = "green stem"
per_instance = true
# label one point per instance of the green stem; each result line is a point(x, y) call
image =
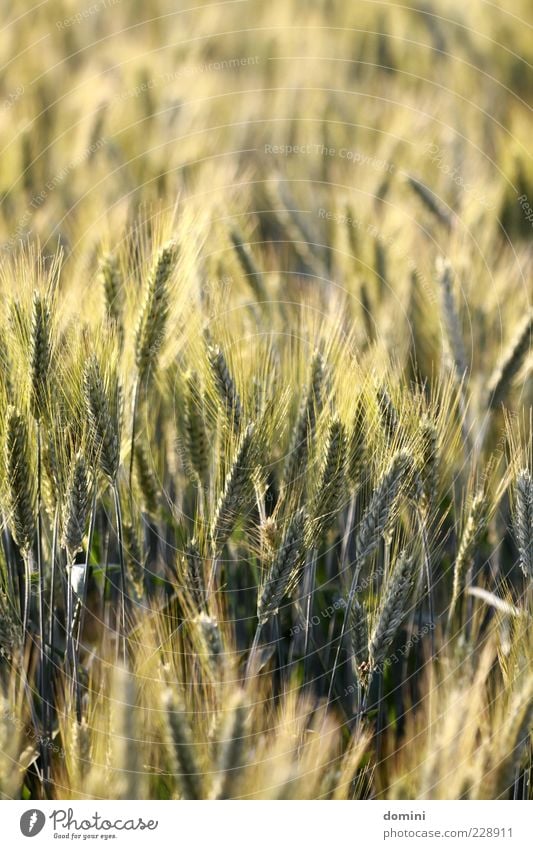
point(123, 588)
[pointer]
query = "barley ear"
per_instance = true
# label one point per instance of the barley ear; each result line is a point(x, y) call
point(225, 386)
point(237, 487)
point(76, 507)
point(331, 480)
point(284, 569)
point(392, 610)
point(181, 748)
point(475, 525)
point(524, 521)
point(19, 476)
point(451, 318)
point(103, 425)
point(40, 352)
point(231, 759)
point(501, 379)
point(152, 320)
point(381, 505)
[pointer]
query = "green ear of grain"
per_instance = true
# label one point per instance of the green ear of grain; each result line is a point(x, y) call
point(392, 610)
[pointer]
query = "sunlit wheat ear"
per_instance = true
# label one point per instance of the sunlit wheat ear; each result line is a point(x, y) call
point(305, 425)
point(430, 201)
point(112, 284)
point(451, 318)
point(152, 321)
point(40, 352)
point(19, 476)
point(378, 511)
point(237, 489)
point(211, 637)
point(103, 424)
point(225, 385)
point(429, 462)
point(146, 479)
point(358, 623)
point(502, 377)
point(76, 506)
point(232, 751)
point(181, 748)
point(195, 429)
point(331, 480)
point(475, 525)
point(524, 521)
point(391, 610)
point(284, 569)
point(251, 272)
point(194, 575)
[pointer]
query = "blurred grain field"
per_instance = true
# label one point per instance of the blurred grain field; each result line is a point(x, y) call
point(266, 492)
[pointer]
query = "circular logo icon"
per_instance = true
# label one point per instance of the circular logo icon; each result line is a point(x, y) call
point(32, 822)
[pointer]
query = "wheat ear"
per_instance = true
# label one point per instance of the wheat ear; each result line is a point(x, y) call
point(236, 488)
point(451, 318)
point(524, 521)
point(500, 381)
point(181, 748)
point(231, 759)
point(391, 611)
point(40, 353)
point(76, 507)
point(152, 321)
point(475, 525)
point(283, 570)
point(331, 479)
point(103, 425)
point(225, 385)
point(305, 424)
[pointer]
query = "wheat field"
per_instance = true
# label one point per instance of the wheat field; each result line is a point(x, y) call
point(266, 391)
